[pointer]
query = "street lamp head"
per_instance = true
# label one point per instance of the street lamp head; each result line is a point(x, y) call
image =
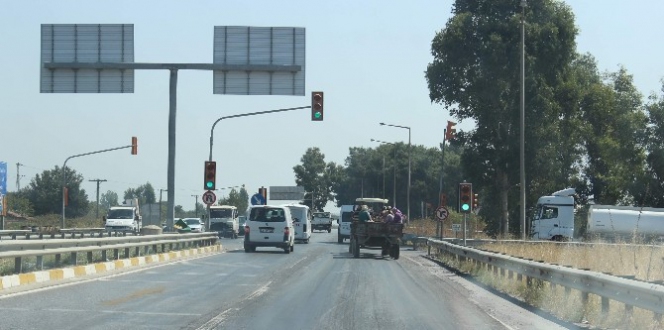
point(382, 124)
point(372, 140)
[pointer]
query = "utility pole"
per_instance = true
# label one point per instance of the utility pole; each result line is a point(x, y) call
point(195, 205)
point(18, 176)
point(160, 216)
point(98, 182)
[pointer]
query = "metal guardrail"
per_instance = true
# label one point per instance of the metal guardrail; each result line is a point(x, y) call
point(632, 293)
point(18, 250)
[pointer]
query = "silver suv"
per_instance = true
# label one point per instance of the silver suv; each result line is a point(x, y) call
point(270, 226)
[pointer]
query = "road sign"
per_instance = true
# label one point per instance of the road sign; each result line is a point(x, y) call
point(258, 199)
point(456, 227)
point(209, 197)
point(442, 213)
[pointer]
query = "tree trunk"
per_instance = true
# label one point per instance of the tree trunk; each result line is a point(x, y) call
point(504, 207)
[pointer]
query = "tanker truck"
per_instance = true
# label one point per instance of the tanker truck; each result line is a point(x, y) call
point(554, 219)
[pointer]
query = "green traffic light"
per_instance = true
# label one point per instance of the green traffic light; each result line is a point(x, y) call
point(209, 184)
point(317, 114)
point(465, 207)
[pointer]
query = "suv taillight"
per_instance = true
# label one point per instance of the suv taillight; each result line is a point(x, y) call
point(246, 230)
point(286, 231)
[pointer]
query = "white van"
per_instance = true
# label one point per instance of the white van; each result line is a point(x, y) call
point(301, 221)
point(269, 225)
point(345, 218)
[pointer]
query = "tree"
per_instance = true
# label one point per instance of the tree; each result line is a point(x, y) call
point(312, 175)
point(18, 202)
point(108, 199)
point(614, 138)
point(45, 193)
point(144, 193)
point(474, 74)
point(237, 198)
point(652, 182)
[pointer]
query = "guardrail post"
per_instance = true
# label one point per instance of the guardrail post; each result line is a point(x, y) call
point(18, 265)
point(154, 247)
point(138, 251)
point(519, 277)
point(40, 262)
point(74, 257)
point(163, 248)
point(116, 254)
point(58, 259)
point(104, 255)
point(146, 249)
point(126, 252)
point(89, 257)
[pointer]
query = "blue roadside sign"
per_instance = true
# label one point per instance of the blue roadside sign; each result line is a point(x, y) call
point(258, 199)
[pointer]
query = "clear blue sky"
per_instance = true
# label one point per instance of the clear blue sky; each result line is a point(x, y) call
point(368, 56)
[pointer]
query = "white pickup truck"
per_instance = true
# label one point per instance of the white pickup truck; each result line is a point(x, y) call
point(322, 221)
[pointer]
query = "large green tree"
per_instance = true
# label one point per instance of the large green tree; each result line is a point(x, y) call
point(45, 193)
point(614, 133)
point(475, 75)
point(237, 198)
point(314, 175)
point(144, 193)
point(651, 192)
point(108, 199)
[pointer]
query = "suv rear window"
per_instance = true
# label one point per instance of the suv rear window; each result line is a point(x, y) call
point(266, 214)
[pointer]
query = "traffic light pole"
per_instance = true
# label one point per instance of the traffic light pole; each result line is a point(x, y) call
point(246, 115)
point(465, 226)
point(441, 225)
point(64, 176)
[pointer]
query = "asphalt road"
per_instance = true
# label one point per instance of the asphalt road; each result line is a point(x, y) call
point(318, 286)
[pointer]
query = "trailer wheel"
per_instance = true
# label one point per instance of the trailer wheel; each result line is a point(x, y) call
point(340, 239)
point(356, 248)
point(394, 253)
point(329, 229)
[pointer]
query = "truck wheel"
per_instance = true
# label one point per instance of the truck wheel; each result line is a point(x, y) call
point(329, 230)
point(247, 248)
point(340, 239)
point(350, 246)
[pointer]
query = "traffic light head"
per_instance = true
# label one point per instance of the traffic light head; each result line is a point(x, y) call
point(476, 202)
point(134, 145)
point(317, 106)
point(209, 182)
point(465, 197)
point(450, 130)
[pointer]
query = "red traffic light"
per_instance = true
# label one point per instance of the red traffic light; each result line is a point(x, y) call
point(317, 106)
point(134, 145)
point(450, 130)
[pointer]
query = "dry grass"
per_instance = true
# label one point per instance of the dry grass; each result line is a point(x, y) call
point(427, 228)
point(644, 262)
point(54, 220)
point(565, 304)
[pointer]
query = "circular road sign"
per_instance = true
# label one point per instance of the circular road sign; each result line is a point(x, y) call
point(442, 213)
point(209, 197)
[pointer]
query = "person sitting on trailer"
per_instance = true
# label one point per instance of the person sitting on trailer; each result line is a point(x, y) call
point(389, 216)
point(364, 215)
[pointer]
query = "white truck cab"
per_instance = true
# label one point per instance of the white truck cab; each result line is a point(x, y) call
point(301, 221)
point(224, 220)
point(125, 217)
point(554, 216)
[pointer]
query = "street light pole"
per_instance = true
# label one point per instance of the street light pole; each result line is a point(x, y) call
point(409, 162)
point(522, 157)
point(196, 205)
point(394, 167)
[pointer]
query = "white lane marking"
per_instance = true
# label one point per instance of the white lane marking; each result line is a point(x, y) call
point(65, 310)
point(221, 317)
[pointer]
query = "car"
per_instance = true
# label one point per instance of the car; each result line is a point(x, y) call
point(195, 224)
point(269, 226)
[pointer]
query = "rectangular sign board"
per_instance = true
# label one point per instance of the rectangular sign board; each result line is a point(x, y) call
point(86, 44)
point(287, 193)
point(456, 227)
point(261, 57)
